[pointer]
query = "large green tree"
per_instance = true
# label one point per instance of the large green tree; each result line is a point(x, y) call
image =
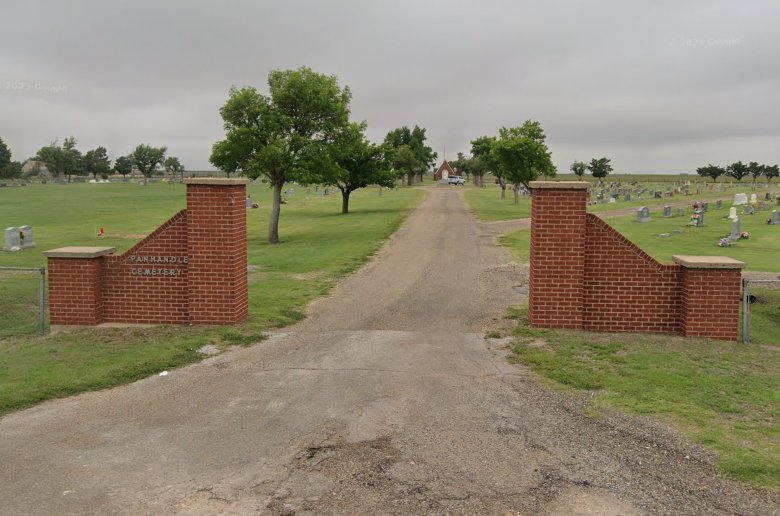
point(713, 171)
point(62, 159)
point(737, 170)
point(147, 159)
point(96, 162)
point(9, 169)
point(357, 163)
point(481, 150)
point(579, 168)
point(600, 168)
point(415, 156)
point(755, 170)
point(771, 171)
point(522, 156)
point(123, 165)
point(173, 166)
point(284, 135)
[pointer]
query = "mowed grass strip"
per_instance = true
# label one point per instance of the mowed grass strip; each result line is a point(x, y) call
point(722, 395)
point(319, 246)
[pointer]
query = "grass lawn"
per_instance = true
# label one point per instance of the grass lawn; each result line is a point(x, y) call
point(722, 395)
point(319, 245)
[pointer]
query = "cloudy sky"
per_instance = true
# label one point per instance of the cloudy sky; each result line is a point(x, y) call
point(659, 87)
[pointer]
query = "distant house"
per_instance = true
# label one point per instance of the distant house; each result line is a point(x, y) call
point(444, 171)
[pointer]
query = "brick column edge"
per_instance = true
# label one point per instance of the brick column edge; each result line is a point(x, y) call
point(557, 262)
point(710, 296)
point(76, 285)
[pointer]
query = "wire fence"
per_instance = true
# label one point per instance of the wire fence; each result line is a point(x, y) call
point(755, 294)
point(22, 301)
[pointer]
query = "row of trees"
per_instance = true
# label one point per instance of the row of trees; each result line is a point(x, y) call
point(598, 167)
point(65, 160)
point(740, 170)
point(301, 132)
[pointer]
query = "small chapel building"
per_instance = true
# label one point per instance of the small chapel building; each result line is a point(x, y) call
point(444, 171)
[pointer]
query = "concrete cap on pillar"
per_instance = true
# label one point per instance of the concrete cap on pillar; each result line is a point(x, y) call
point(217, 181)
point(79, 252)
point(559, 185)
point(708, 262)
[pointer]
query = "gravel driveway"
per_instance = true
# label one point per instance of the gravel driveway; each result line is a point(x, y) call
point(386, 400)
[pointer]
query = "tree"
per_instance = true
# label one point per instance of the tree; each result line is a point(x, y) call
point(481, 149)
point(600, 168)
point(96, 162)
point(579, 168)
point(755, 170)
point(418, 157)
point(712, 171)
point(5, 154)
point(147, 159)
point(737, 170)
point(74, 162)
point(771, 171)
point(521, 155)
point(123, 165)
point(8, 169)
point(174, 166)
point(280, 136)
point(357, 164)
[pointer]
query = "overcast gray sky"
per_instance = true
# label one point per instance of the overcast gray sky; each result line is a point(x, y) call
point(658, 87)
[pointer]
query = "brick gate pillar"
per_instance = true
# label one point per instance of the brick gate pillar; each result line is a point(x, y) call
point(216, 250)
point(557, 275)
point(710, 296)
point(76, 285)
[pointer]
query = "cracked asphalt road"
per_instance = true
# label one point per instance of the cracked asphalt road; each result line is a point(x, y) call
point(386, 400)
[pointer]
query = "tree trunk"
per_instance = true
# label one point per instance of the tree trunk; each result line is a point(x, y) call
point(517, 194)
point(503, 188)
point(145, 178)
point(409, 179)
point(276, 208)
point(345, 200)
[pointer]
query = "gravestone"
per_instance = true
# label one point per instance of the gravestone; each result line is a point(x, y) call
point(667, 211)
point(681, 212)
point(736, 230)
point(739, 199)
point(768, 197)
point(12, 240)
point(753, 198)
point(749, 210)
point(628, 197)
point(248, 202)
point(26, 237)
point(697, 219)
point(718, 204)
point(643, 214)
point(732, 213)
point(774, 218)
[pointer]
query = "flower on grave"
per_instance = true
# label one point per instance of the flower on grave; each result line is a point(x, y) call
point(724, 242)
point(744, 234)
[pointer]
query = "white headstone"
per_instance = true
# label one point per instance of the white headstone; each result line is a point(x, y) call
point(753, 198)
point(12, 240)
point(736, 230)
point(26, 237)
point(732, 213)
point(740, 198)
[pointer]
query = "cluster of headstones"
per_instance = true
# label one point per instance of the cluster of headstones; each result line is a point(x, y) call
point(17, 238)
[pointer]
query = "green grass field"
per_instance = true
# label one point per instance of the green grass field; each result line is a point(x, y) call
point(319, 246)
point(722, 395)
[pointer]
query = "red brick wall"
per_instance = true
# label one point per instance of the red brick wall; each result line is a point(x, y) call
point(625, 289)
point(74, 291)
point(216, 245)
point(556, 293)
point(585, 275)
point(129, 295)
point(191, 270)
point(708, 303)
